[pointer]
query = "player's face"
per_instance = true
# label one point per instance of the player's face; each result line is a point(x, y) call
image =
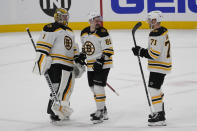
point(152, 23)
point(97, 22)
point(65, 18)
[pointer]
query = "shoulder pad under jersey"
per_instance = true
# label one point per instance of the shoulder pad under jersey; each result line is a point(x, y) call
point(85, 30)
point(66, 28)
point(51, 27)
point(158, 32)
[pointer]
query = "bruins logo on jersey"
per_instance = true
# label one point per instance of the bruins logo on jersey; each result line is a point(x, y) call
point(89, 48)
point(68, 42)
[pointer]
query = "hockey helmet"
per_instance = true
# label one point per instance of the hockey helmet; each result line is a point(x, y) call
point(61, 16)
point(94, 14)
point(155, 15)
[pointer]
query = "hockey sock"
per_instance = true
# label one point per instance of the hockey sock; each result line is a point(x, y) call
point(99, 96)
point(157, 99)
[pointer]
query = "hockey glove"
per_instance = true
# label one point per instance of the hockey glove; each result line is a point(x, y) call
point(138, 51)
point(98, 65)
point(80, 58)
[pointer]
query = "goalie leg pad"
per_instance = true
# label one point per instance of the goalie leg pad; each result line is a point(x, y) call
point(66, 86)
point(64, 80)
point(56, 109)
point(64, 93)
point(65, 109)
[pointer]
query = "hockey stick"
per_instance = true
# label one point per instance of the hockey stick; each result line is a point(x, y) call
point(54, 95)
point(112, 89)
point(142, 73)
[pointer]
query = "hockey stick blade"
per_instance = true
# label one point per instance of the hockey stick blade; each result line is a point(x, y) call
point(136, 27)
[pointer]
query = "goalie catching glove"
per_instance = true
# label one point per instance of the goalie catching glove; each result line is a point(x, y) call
point(42, 63)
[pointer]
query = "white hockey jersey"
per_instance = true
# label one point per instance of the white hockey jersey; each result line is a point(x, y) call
point(95, 44)
point(159, 49)
point(57, 41)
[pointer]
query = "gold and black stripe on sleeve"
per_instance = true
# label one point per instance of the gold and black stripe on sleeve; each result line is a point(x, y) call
point(160, 65)
point(90, 63)
point(109, 61)
point(153, 53)
point(75, 50)
point(43, 47)
point(108, 52)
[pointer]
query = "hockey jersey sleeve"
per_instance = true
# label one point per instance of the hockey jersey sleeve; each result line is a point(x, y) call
point(43, 47)
point(45, 42)
point(106, 44)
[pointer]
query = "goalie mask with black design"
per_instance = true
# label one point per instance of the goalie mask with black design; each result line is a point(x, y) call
point(61, 16)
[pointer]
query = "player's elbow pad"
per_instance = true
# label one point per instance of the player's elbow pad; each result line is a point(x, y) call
point(42, 63)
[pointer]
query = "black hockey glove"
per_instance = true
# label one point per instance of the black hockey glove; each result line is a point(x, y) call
point(98, 65)
point(138, 51)
point(80, 58)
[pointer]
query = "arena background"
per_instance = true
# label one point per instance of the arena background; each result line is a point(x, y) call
point(118, 14)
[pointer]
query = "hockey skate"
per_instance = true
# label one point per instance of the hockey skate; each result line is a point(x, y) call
point(105, 116)
point(55, 120)
point(97, 117)
point(158, 119)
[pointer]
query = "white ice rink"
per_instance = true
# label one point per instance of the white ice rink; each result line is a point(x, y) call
point(24, 96)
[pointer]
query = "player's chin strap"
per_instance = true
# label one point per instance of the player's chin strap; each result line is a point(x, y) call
point(142, 73)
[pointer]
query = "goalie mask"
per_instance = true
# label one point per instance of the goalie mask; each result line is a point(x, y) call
point(154, 17)
point(61, 16)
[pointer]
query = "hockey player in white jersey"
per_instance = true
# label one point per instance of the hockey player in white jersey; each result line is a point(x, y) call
point(158, 54)
point(55, 53)
point(98, 48)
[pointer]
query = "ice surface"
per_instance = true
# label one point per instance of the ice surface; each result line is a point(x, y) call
point(24, 96)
